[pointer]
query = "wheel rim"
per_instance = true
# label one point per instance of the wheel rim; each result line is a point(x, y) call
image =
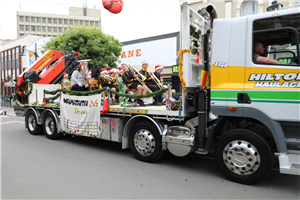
point(49, 126)
point(241, 157)
point(144, 142)
point(31, 123)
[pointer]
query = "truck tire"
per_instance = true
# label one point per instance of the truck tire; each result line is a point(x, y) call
point(243, 156)
point(31, 123)
point(146, 142)
point(50, 127)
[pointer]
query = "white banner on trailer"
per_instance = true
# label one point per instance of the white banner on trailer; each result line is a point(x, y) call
point(80, 115)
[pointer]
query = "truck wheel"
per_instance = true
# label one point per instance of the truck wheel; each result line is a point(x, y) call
point(244, 156)
point(145, 142)
point(33, 127)
point(50, 128)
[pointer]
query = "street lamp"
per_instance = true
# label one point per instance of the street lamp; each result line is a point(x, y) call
point(23, 51)
point(35, 52)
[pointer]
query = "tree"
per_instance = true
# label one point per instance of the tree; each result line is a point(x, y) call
point(91, 42)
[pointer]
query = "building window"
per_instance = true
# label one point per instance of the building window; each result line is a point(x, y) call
point(76, 22)
point(81, 22)
point(86, 23)
point(297, 1)
point(21, 18)
point(21, 34)
point(49, 29)
point(38, 28)
point(32, 19)
point(44, 29)
point(60, 29)
point(60, 21)
point(44, 35)
point(92, 23)
point(32, 28)
point(65, 21)
point(27, 28)
point(44, 20)
point(54, 21)
point(249, 8)
point(71, 21)
point(38, 20)
point(97, 23)
point(21, 27)
point(27, 19)
point(49, 20)
point(55, 29)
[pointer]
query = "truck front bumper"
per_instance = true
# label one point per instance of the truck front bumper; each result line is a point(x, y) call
point(289, 163)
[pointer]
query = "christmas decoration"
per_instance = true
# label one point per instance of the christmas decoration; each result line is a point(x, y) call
point(113, 6)
point(180, 52)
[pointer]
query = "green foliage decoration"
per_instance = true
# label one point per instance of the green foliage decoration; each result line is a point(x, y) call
point(86, 93)
point(91, 42)
point(29, 85)
point(196, 34)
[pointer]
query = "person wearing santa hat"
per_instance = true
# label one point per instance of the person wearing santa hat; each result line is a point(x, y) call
point(121, 72)
point(65, 82)
point(77, 80)
point(102, 80)
point(113, 85)
point(150, 83)
point(89, 74)
point(131, 82)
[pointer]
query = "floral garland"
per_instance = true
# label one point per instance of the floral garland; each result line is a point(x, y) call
point(180, 52)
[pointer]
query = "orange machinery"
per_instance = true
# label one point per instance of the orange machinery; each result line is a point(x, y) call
point(48, 69)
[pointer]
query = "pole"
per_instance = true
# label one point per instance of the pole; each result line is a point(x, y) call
point(35, 53)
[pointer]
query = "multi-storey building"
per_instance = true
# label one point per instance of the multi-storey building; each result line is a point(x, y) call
point(47, 25)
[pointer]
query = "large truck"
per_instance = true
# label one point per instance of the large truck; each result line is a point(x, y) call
point(247, 114)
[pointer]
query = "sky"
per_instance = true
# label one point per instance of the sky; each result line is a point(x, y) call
point(138, 19)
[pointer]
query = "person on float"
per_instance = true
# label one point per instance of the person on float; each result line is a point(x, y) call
point(113, 85)
point(66, 82)
point(157, 74)
point(131, 82)
point(77, 80)
point(102, 80)
point(121, 72)
point(150, 83)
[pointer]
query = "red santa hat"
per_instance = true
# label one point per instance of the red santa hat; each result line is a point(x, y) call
point(144, 62)
point(104, 71)
point(79, 65)
point(113, 70)
point(109, 71)
point(123, 63)
point(120, 69)
point(65, 74)
point(158, 67)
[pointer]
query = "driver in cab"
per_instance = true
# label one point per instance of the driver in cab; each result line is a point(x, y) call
point(259, 50)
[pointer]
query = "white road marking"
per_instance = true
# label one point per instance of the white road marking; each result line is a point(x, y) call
point(12, 122)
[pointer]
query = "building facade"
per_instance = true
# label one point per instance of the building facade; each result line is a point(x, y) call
point(238, 8)
point(50, 25)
